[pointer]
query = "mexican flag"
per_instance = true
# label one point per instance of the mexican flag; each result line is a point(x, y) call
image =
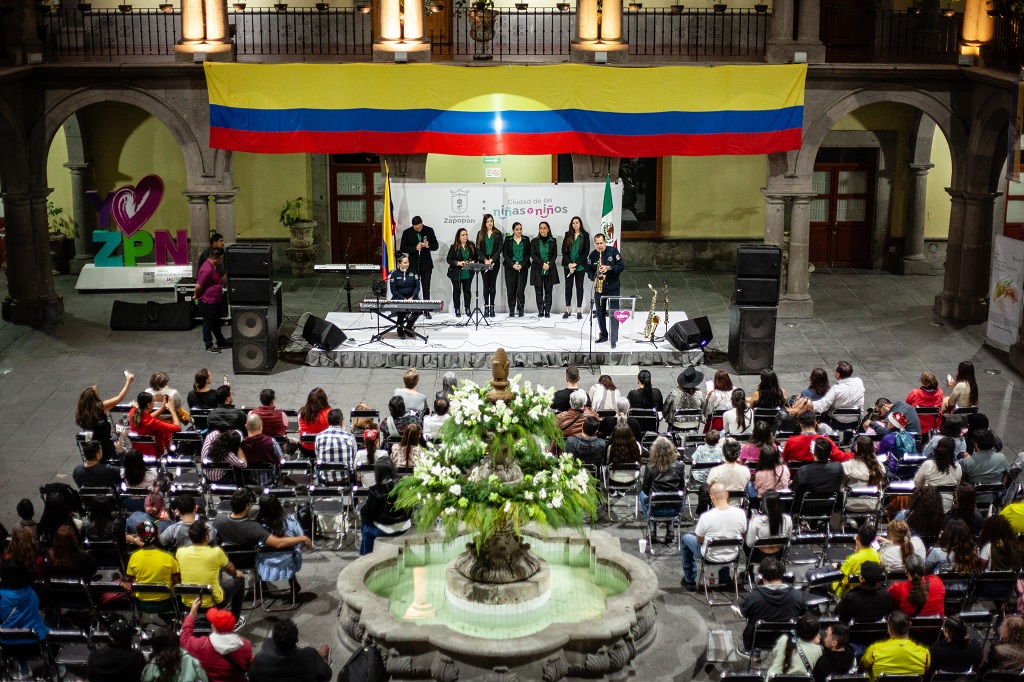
point(607, 226)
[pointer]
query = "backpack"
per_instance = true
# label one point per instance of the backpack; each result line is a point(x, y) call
point(904, 444)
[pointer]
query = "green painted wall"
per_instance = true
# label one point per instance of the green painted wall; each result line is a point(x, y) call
point(265, 182)
point(936, 225)
point(713, 196)
point(59, 178)
point(470, 169)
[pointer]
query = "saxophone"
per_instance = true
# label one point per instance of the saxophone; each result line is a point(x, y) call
point(599, 280)
point(652, 317)
point(666, 306)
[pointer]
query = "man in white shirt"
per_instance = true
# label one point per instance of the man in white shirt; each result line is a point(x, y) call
point(721, 521)
point(846, 394)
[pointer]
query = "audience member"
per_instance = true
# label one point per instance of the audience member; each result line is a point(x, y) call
point(772, 600)
point(560, 401)
point(151, 565)
point(925, 515)
point(154, 510)
point(336, 446)
point(964, 391)
point(19, 605)
point(731, 474)
point(224, 655)
point(380, 517)
point(863, 552)
point(1013, 512)
point(588, 447)
point(897, 443)
point(721, 521)
point(863, 470)
point(116, 661)
point(158, 388)
point(846, 394)
point(952, 427)
point(1008, 653)
point(361, 424)
point(91, 415)
point(282, 660)
point(941, 470)
point(739, 420)
point(818, 385)
point(368, 454)
point(760, 437)
point(837, 656)
point(93, 473)
point(169, 662)
point(955, 551)
point(25, 512)
point(399, 418)
point(898, 546)
point(797, 655)
point(176, 535)
point(24, 549)
point(104, 521)
point(985, 465)
point(898, 655)
point(965, 508)
point(719, 398)
point(414, 400)
point(1000, 549)
point(60, 507)
point(226, 417)
point(921, 594)
point(202, 564)
point(798, 446)
point(957, 651)
point(279, 565)
point(259, 449)
point(645, 396)
point(66, 558)
point(884, 407)
point(275, 421)
point(608, 424)
point(202, 395)
point(623, 449)
point(603, 395)
point(927, 395)
point(769, 522)
point(708, 452)
point(313, 415)
point(237, 528)
point(449, 383)
point(685, 396)
point(433, 422)
point(406, 452)
point(664, 474)
point(145, 423)
point(770, 474)
point(977, 422)
point(768, 395)
point(819, 478)
point(570, 421)
point(136, 474)
point(225, 451)
point(868, 601)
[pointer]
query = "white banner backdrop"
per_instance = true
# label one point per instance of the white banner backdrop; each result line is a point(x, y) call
point(448, 207)
point(1004, 310)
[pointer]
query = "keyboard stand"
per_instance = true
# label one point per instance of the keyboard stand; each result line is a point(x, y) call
point(379, 336)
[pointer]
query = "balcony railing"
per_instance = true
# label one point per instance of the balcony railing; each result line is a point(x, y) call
point(505, 33)
point(1007, 47)
point(109, 33)
point(302, 32)
point(891, 35)
point(696, 33)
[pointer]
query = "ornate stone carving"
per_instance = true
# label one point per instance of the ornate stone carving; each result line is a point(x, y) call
point(504, 558)
point(444, 669)
point(644, 622)
point(499, 674)
point(620, 655)
point(350, 624)
point(555, 668)
point(500, 384)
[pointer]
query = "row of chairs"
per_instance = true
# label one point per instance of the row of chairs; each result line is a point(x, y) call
point(939, 676)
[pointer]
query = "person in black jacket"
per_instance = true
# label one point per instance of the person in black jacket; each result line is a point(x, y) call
point(405, 285)
point(419, 242)
point(820, 477)
point(606, 260)
point(515, 254)
point(959, 649)
point(588, 447)
point(488, 247)
point(869, 601)
point(575, 250)
point(379, 515)
point(282, 660)
point(461, 252)
point(772, 600)
point(543, 267)
point(226, 417)
point(117, 662)
point(665, 474)
point(837, 657)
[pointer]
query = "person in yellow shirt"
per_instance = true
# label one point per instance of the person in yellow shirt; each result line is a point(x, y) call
point(1014, 513)
point(898, 655)
point(864, 552)
point(202, 564)
point(151, 566)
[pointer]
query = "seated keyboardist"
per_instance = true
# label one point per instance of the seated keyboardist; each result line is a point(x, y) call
point(405, 285)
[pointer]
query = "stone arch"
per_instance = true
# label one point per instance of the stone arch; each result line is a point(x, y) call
point(14, 157)
point(986, 146)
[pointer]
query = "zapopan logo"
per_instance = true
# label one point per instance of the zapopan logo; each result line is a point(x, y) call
point(460, 200)
point(537, 211)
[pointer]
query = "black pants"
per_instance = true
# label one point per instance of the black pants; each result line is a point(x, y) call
point(211, 324)
point(234, 593)
point(490, 285)
point(544, 293)
point(515, 288)
point(601, 302)
point(574, 278)
point(406, 320)
point(465, 286)
point(425, 283)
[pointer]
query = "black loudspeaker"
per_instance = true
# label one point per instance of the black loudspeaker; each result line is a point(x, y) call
point(322, 334)
point(253, 338)
point(758, 260)
point(249, 260)
point(250, 291)
point(752, 338)
point(690, 334)
point(756, 291)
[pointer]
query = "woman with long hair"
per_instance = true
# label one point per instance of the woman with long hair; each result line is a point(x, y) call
point(818, 384)
point(645, 396)
point(928, 394)
point(379, 515)
point(604, 394)
point(921, 594)
point(956, 651)
point(60, 506)
point(719, 397)
point(406, 453)
point(965, 388)
point(608, 424)
point(624, 449)
point(516, 255)
point(91, 415)
point(279, 565)
point(489, 241)
point(769, 522)
point(941, 469)
point(1000, 548)
point(955, 551)
point(792, 655)
point(761, 437)
point(368, 454)
point(398, 419)
point(898, 546)
point(965, 508)
point(169, 662)
point(1008, 654)
point(226, 451)
point(202, 394)
point(771, 473)
point(24, 549)
point(144, 422)
point(135, 473)
point(313, 415)
point(768, 395)
point(461, 253)
point(925, 515)
point(361, 424)
point(66, 558)
point(739, 421)
point(863, 470)
point(575, 251)
point(543, 267)
point(665, 473)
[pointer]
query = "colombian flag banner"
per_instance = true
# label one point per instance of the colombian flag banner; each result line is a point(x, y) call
point(387, 229)
point(475, 111)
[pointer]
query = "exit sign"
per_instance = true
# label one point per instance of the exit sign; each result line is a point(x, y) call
point(492, 159)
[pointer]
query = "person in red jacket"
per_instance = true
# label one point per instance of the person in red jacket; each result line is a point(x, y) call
point(313, 415)
point(798, 447)
point(224, 655)
point(928, 395)
point(145, 423)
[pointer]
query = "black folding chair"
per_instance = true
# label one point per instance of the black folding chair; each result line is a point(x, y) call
point(732, 546)
point(767, 633)
point(664, 507)
point(647, 418)
point(69, 650)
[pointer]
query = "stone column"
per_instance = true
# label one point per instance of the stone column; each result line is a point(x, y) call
point(199, 224)
point(224, 211)
point(412, 26)
point(780, 38)
point(31, 296)
point(978, 27)
point(774, 217)
point(954, 243)
point(971, 302)
point(586, 21)
point(611, 22)
point(217, 21)
point(193, 26)
point(914, 261)
point(81, 214)
point(808, 28)
point(796, 302)
point(390, 20)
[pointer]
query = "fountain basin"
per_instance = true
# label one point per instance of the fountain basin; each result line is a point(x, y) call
point(612, 622)
point(520, 597)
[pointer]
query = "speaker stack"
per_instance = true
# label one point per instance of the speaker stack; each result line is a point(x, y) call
point(755, 304)
point(254, 317)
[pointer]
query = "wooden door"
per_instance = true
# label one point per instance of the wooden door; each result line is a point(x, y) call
point(847, 29)
point(357, 191)
point(842, 215)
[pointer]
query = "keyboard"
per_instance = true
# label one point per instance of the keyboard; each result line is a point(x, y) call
point(340, 267)
point(385, 305)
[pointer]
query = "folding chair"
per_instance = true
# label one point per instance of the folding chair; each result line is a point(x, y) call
point(943, 676)
point(112, 596)
point(22, 645)
point(244, 559)
point(996, 491)
point(664, 507)
point(200, 419)
point(716, 422)
point(822, 582)
point(263, 593)
point(163, 607)
point(186, 444)
point(220, 480)
point(925, 630)
point(796, 555)
point(728, 546)
point(258, 477)
point(70, 596)
point(993, 586)
point(865, 634)
point(334, 501)
point(693, 485)
point(767, 633)
point(1002, 676)
point(792, 678)
point(741, 677)
point(739, 498)
point(928, 417)
point(907, 467)
point(90, 494)
point(298, 472)
point(861, 497)
point(815, 509)
point(191, 592)
point(686, 421)
point(107, 553)
point(958, 589)
point(850, 418)
point(982, 621)
point(779, 541)
point(766, 414)
point(621, 479)
point(69, 650)
point(845, 543)
point(647, 418)
point(848, 678)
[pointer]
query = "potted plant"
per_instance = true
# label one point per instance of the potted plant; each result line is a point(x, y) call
point(562, 6)
point(322, 6)
point(239, 6)
point(364, 8)
point(481, 17)
point(281, 6)
point(62, 238)
point(166, 7)
point(634, 6)
point(677, 9)
point(761, 8)
point(124, 9)
point(720, 8)
point(300, 251)
point(522, 6)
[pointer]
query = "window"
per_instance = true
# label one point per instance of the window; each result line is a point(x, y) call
point(641, 197)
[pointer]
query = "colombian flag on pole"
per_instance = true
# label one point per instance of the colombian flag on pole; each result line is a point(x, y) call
point(387, 230)
point(497, 110)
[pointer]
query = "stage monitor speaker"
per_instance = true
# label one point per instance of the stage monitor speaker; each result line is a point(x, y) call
point(752, 338)
point(322, 334)
point(758, 260)
point(250, 291)
point(690, 334)
point(249, 260)
point(253, 338)
point(756, 291)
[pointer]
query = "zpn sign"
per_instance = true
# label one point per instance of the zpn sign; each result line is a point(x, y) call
point(131, 207)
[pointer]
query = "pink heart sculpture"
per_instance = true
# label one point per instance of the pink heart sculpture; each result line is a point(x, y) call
point(132, 207)
point(621, 316)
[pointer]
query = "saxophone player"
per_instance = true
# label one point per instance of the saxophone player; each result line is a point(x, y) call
point(605, 262)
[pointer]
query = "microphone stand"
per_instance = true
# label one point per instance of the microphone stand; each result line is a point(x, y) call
point(593, 310)
point(348, 277)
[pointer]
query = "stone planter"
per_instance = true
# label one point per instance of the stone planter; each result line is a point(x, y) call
point(302, 234)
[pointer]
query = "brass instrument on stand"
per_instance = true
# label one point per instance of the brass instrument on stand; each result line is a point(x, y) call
point(666, 307)
point(652, 317)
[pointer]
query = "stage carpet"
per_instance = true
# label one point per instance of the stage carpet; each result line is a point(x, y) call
point(529, 342)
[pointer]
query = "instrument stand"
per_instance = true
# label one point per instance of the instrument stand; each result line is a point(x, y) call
point(477, 315)
point(348, 283)
point(379, 336)
point(593, 311)
point(391, 327)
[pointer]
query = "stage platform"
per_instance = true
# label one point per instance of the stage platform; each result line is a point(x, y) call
point(529, 342)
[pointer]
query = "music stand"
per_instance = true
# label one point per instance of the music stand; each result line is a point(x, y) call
point(477, 314)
